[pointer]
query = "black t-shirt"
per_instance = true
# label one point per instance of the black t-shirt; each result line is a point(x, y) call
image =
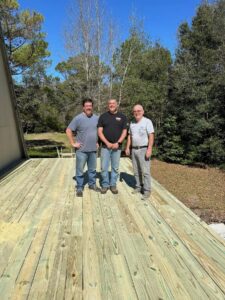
point(113, 125)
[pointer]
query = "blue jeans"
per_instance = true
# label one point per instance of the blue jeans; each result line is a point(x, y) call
point(109, 156)
point(81, 159)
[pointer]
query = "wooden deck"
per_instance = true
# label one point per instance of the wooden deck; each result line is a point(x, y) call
point(56, 246)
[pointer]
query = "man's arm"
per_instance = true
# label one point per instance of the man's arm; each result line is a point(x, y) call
point(150, 145)
point(123, 134)
point(103, 138)
point(122, 137)
point(120, 140)
point(127, 150)
point(69, 134)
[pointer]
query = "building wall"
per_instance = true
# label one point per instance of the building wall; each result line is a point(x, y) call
point(12, 148)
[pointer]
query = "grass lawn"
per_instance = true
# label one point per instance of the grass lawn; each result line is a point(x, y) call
point(44, 144)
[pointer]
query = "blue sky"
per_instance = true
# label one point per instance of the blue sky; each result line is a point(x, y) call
point(161, 20)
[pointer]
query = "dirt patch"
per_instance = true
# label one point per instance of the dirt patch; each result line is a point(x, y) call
point(202, 190)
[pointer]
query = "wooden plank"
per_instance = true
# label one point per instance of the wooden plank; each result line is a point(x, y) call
point(153, 277)
point(136, 273)
point(107, 276)
point(66, 275)
point(157, 286)
point(197, 238)
point(12, 266)
point(73, 280)
point(113, 240)
point(24, 277)
point(123, 280)
point(75, 260)
point(13, 173)
point(10, 235)
point(91, 272)
point(53, 244)
point(73, 283)
point(198, 246)
point(59, 272)
point(5, 248)
point(179, 208)
point(174, 203)
point(12, 180)
point(194, 277)
point(58, 246)
point(163, 270)
point(41, 197)
point(26, 274)
point(191, 259)
point(15, 198)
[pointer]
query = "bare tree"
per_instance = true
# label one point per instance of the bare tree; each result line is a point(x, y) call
point(135, 34)
point(79, 37)
point(99, 27)
point(87, 36)
point(129, 59)
point(111, 48)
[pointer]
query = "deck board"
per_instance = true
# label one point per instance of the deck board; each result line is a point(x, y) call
point(54, 245)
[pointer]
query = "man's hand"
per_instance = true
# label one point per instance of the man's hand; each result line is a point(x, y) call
point(127, 151)
point(76, 145)
point(109, 145)
point(148, 153)
point(115, 146)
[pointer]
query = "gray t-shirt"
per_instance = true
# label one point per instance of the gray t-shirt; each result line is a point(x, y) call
point(140, 131)
point(85, 129)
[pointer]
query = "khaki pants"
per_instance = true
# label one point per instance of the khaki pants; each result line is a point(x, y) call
point(141, 168)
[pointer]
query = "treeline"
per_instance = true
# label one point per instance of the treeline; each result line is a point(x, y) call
point(184, 96)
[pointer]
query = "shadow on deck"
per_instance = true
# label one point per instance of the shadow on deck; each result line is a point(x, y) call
point(56, 246)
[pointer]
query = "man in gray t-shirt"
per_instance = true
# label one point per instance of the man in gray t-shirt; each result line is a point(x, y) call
point(141, 139)
point(84, 127)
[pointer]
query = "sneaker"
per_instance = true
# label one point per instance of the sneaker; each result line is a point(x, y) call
point(113, 189)
point(136, 191)
point(79, 193)
point(94, 188)
point(146, 195)
point(104, 190)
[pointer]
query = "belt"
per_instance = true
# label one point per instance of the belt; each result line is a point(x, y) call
point(139, 147)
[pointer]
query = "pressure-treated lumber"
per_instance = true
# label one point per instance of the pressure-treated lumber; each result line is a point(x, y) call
point(54, 245)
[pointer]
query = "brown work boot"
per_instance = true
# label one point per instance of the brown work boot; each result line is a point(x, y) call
point(79, 193)
point(113, 189)
point(104, 190)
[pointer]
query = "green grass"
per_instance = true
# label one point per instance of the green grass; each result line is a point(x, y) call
point(44, 144)
point(36, 152)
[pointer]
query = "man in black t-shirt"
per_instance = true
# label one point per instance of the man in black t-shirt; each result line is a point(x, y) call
point(112, 130)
